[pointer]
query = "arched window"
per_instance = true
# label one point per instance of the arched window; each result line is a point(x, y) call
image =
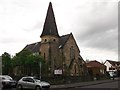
point(75, 69)
point(54, 40)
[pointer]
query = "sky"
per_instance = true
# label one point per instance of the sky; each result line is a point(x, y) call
point(94, 24)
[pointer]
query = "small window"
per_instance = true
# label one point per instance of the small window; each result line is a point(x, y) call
point(111, 68)
point(54, 40)
point(45, 40)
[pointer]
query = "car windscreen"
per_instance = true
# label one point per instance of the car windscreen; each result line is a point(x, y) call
point(8, 77)
point(36, 79)
point(5, 78)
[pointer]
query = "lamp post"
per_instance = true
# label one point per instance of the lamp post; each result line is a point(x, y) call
point(40, 70)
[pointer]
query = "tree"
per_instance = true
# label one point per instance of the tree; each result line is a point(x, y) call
point(6, 63)
point(27, 63)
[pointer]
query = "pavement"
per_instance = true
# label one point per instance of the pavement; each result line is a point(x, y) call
point(82, 84)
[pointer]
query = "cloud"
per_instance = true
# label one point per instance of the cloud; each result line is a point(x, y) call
point(107, 40)
point(99, 29)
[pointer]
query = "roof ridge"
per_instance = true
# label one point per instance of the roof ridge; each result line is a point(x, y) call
point(65, 35)
point(34, 43)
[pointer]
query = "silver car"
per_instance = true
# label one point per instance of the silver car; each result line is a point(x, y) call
point(7, 81)
point(32, 83)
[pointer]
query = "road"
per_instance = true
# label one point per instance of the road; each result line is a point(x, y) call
point(103, 86)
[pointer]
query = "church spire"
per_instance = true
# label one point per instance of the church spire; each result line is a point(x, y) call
point(50, 27)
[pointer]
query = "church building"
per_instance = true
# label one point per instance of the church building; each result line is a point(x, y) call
point(61, 53)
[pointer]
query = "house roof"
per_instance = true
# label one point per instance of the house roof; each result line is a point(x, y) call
point(34, 47)
point(113, 63)
point(50, 27)
point(94, 64)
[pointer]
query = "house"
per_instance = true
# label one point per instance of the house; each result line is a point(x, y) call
point(112, 66)
point(61, 53)
point(96, 68)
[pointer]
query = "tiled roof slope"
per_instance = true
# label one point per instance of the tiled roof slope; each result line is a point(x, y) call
point(94, 64)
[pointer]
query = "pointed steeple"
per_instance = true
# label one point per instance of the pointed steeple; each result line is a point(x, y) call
point(50, 27)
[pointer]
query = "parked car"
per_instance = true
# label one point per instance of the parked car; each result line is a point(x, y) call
point(32, 83)
point(7, 81)
point(113, 74)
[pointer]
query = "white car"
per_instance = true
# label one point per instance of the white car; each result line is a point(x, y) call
point(112, 74)
point(32, 83)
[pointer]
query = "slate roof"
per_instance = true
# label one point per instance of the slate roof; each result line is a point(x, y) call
point(50, 27)
point(34, 47)
point(95, 64)
point(63, 40)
